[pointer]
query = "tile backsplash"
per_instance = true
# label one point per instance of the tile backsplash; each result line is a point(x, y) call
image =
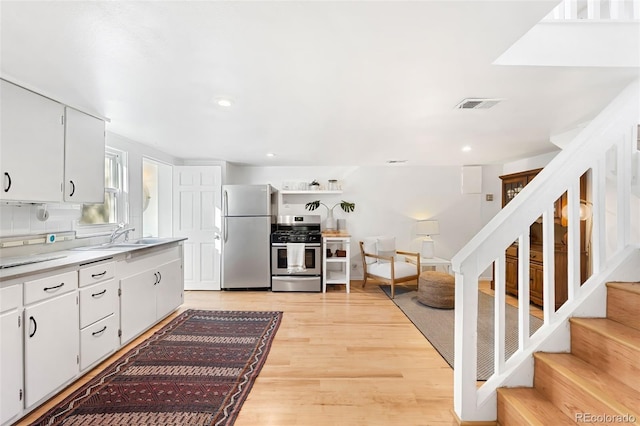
point(21, 219)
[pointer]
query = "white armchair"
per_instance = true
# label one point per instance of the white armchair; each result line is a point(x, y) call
point(380, 262)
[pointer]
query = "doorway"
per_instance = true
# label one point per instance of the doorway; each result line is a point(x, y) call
point(157, 193)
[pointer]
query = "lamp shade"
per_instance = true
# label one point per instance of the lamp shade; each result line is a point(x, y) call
point(427, 227)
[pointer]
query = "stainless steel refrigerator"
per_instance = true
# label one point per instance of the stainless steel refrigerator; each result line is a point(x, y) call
point(249, 213)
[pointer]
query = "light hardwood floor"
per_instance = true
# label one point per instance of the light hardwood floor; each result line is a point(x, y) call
point(337, 359)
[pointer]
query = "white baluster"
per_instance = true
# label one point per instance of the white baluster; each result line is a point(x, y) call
point(570, 9)
point(616, 9)
point(548, 264)
point(598, 249)
point(523, 289)
point(499, 313)
point(573, 243)
point(593, 9)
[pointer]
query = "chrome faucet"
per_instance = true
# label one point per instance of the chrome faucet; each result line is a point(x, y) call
point(119, 231)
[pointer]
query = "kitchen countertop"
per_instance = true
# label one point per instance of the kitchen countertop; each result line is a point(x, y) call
point(74, 257)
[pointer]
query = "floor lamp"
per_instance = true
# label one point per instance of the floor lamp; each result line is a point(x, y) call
point(427, 228)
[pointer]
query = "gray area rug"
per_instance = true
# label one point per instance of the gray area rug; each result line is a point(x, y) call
point(437, 325)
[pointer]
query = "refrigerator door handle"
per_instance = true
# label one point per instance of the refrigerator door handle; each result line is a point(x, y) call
point(225, 203)
point(225, 233)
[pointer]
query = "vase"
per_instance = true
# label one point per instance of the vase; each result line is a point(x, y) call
point(330, 222)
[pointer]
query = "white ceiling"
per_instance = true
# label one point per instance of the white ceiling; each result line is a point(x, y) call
point(315, 82)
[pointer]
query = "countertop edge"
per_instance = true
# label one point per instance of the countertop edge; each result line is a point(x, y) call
point(75, 258)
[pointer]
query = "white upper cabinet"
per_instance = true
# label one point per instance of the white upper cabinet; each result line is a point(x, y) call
point(31, 146)
point(48, 152)
point(83, 158)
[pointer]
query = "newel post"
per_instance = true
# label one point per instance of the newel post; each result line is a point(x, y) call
point(466, 317)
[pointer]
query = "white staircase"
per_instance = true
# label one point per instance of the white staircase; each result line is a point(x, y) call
point(607, 150)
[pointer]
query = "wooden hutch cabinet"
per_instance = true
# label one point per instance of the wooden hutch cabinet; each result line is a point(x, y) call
point(512, 184)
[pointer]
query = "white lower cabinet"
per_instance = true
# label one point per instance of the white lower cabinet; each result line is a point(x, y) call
point(148, 296)
point(11, 390)
point(51, 346)
point(56, 326)
point(97, 340)
point(170, 288)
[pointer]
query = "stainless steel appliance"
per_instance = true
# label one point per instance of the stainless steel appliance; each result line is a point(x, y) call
point(304, 229)
point(248, 219)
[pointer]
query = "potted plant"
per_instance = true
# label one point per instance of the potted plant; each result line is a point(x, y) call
point(330, 222)
point(314, 185)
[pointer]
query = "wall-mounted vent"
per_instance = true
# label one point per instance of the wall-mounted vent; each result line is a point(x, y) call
point(478, 103)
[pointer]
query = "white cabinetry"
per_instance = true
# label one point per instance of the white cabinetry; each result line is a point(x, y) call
point(152, 294)
point(45, 147)
point(11, 393)
point(336, 269)
point(51, 338)
point(169, 289)
point(32, 145)
point(98, 312)
point(83, 158)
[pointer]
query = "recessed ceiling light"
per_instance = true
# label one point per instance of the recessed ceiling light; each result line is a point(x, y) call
point(466, 148)
point(223, 102)
point(270, 154)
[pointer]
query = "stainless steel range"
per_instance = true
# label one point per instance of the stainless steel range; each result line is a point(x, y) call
point(296, 254)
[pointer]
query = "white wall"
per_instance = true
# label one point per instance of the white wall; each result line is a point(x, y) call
point(389, 200)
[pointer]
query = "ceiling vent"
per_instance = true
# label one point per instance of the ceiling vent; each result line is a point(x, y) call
point(478, 103)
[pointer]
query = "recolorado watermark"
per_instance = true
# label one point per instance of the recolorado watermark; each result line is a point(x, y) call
point(604, 418)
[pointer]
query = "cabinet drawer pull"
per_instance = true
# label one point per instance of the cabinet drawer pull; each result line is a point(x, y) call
point(98, 275)
point(99, 294)
point(99, 331)
point(54, 287)
point(73, 188)
point(35, 326)
point(6, 188)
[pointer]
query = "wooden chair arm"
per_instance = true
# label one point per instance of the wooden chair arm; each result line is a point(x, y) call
point(415, 261)
point(408, 253)
point(375, 256)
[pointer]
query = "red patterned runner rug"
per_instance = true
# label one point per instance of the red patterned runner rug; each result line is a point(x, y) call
point(196, 370)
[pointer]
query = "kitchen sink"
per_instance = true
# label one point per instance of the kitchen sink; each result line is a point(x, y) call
point(123, 245)
point(147, 241)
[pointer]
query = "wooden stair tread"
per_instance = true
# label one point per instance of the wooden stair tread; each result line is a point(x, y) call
point(625, 286)
point(611, 329)
point(592, 380)
point(534, 408)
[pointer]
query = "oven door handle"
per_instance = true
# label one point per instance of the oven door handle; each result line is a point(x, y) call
point(305, 244)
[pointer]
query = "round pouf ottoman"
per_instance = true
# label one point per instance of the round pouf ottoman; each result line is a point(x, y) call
point(436, 289)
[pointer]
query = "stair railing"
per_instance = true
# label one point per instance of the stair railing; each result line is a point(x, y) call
point(608, 148)
point(596, 10)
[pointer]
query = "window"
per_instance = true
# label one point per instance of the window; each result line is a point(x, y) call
point(114, 209)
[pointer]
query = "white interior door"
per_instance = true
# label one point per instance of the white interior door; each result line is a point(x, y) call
point(197, 215)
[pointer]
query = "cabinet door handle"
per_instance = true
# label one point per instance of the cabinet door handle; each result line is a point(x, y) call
point(99, 331)
point(6, 188)
point(159, 277)
point(73, 188)
point(54, 287)
point(35, 326)
point(98, 275)
point(99, 294)
point(155, 274)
